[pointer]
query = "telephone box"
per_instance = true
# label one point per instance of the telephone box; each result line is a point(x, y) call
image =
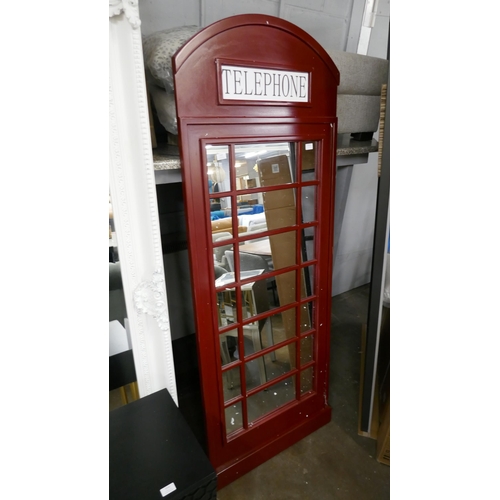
point(256, 104)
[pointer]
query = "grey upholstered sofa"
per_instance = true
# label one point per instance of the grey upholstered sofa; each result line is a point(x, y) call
point(358, 98)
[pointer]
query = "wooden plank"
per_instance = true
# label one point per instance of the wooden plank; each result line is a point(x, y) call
point(383, 439)
point(375, 416)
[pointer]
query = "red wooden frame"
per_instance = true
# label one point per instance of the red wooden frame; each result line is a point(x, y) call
point(205, 118)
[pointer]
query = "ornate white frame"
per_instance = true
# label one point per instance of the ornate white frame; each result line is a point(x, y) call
point(135, 212)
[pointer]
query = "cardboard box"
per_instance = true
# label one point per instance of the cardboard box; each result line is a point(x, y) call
point(280, 210)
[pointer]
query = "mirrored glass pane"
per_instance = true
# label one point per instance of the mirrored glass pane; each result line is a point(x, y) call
point(119, 337)
point(218, 168)
point(268, 367)
point(253, 225)
point(283, 325)
point(220, 216)
point(231, 383)
point(249, 157)
point(308, 279)
point(283, 249)
point(306, 349)
point(251, 265)
point(306, 317)
point(226, 307)
point(234, 418)
point(247, 174)
point(253, 334)
point(308, 203)
point(266, 401)
point(275, 170)
point(279, 207)
point(306, 380)
point(309, 160)
point(228, 346)
point(270, 331)
point(255, 299)
point(223, 274)
point(308, 243)
point(113, 243)
point(287, 288)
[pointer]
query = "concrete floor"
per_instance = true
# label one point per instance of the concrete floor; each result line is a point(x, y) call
point(333, 462)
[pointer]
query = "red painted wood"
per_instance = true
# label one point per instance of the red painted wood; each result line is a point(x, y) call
point(203, 118)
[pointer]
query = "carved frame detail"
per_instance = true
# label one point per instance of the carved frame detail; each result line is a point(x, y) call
point(133, 194)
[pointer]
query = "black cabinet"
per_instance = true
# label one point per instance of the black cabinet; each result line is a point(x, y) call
point(153, 454)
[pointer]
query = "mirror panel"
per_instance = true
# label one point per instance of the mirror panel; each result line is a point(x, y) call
point(308, 243)
point(248, 162)
point(219, 180)
point(308, 201)
point(268, 367)
point(307, 317)
point(309, 150)
point(283, 249)
point(306, 349)
point(220, 215)
point(120, 343)
point(306, 381)
point(228, 346)
point(280, 208)
point(262, 206)
point(308, 277)
point(268, 400)
point(269, 331)
point(234, 418)
point(231, 383)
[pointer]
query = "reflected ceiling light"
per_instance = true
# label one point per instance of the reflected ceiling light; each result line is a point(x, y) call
point(216, 173)
point(255, 153)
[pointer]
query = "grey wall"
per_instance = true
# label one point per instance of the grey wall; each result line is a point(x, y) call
point(328, 21)
point(355, 246)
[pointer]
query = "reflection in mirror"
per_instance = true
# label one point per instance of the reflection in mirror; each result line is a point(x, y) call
point(248, 158)
point(219, 179)
point(221, 263)
point(307, 317)
point(268, 400)
point(226, 308)
point(234, 418)
point(122, 376)
point(309, 282)
point(308, 203)
point(220, 215)
point(275, 364)
point(255, 232)
point(308, 244)
point(231, 383)
point(309, 160)
point(306, 381)
point(306, 349)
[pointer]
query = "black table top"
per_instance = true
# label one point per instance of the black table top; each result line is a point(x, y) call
point(152, 450)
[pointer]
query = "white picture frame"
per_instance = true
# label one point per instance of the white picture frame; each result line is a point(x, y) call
point(133, 194)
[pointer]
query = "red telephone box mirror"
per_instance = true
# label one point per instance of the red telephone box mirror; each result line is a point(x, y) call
point(256, 103)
